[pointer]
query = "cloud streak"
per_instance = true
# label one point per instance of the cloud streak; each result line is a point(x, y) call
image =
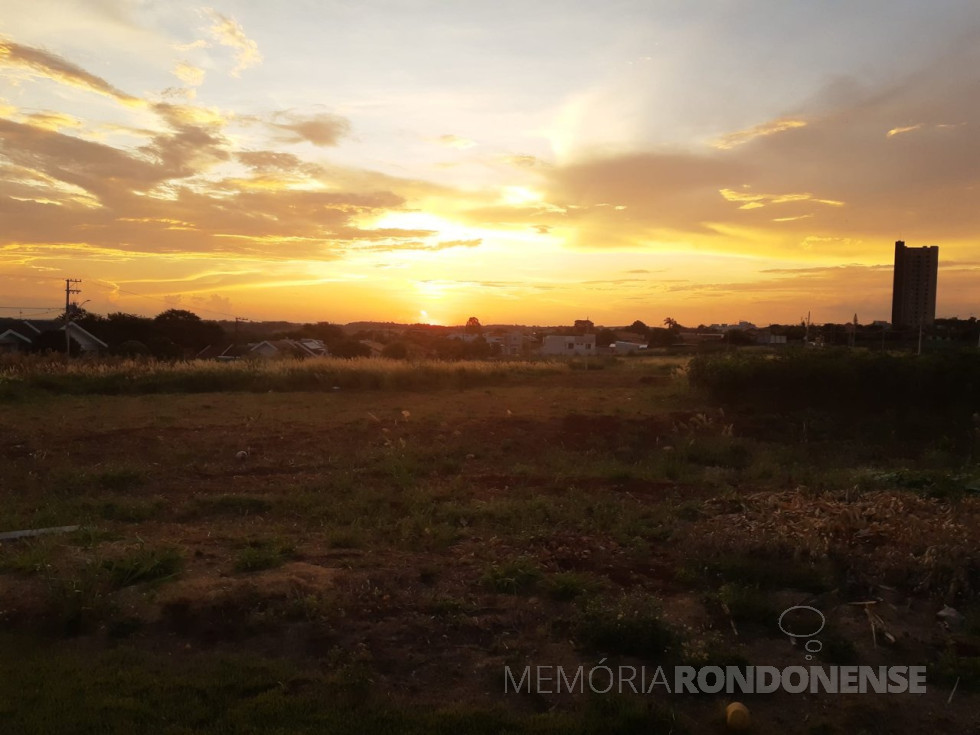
point(54, 67)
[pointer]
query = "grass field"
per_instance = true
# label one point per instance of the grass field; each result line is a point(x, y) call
point(399, 534)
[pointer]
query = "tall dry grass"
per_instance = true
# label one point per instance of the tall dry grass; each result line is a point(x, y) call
point(134, 376)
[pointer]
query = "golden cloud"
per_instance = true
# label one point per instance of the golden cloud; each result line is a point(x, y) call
point(228, 32)
point(53, 121)
point(754, 201)
point(189, 74)
point(454, 141)
point(524, 161)
point(731, 140)
point(907, 129)
point(321, 130)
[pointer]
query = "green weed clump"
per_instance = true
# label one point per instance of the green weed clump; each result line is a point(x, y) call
point(747, 604)
point(143, 565)
point(630, 626)
point(569, 585)
point(259, 555)
point(513, 577)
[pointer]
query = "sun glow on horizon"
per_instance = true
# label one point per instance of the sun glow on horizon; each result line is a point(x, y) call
point(200, 159)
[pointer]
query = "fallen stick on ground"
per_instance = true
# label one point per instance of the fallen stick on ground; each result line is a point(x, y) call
point(8, 535)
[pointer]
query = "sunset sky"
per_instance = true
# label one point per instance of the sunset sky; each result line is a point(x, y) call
point(533, 162)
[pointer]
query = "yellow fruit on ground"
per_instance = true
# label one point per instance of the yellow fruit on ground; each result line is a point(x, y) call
point(737, 716)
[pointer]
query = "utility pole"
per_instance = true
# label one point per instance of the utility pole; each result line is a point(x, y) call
point(68, 292)
point(238, 319)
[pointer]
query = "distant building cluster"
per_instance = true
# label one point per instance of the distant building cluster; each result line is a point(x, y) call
point(743, 325)
point(180, 335)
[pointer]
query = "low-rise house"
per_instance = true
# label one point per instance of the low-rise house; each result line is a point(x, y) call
point(281, 348)
point(87, 342)
point(765, 337)
point(511, 343)
point(23, 337)
point(464, 336)
point(573, 344)
point(622, 347)
point(18, 338)
point(223, 353)
point(316, 346)
point(266, 348)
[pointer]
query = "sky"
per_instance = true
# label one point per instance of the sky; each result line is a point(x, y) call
point(521, 162)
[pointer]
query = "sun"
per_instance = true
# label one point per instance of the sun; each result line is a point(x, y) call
point(426, 318)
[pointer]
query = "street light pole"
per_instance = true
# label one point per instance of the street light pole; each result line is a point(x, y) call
point(68, 292)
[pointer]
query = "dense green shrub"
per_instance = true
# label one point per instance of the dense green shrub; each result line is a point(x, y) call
point(842, 380)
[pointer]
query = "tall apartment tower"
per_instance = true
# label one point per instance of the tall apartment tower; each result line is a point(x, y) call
point(914, 288)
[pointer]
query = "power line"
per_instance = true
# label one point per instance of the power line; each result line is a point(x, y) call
point(31, 277)
point(31, 314)
point(104, 286)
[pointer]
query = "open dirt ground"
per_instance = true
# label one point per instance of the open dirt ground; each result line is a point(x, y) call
point(402, 548)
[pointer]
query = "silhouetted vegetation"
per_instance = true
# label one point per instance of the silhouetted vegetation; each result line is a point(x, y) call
point(932, 397)
point(842, 379)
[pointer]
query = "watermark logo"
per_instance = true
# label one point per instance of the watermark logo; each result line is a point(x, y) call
point(811, 646)
point(800, 622)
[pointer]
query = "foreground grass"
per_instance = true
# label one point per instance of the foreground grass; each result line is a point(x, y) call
point(378, 558)
point(46, 688)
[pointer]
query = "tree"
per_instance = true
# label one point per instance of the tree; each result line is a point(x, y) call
point(660, 337)
point(77, 313)
point(186, 329)
point(177, 316)
point(739, 337)
point(395, 351)
point(119, 327)
point(639, 327)
point(132, 348)
point(473, 325)
point(328, 333)
point(350, 348)
point(605, 337)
